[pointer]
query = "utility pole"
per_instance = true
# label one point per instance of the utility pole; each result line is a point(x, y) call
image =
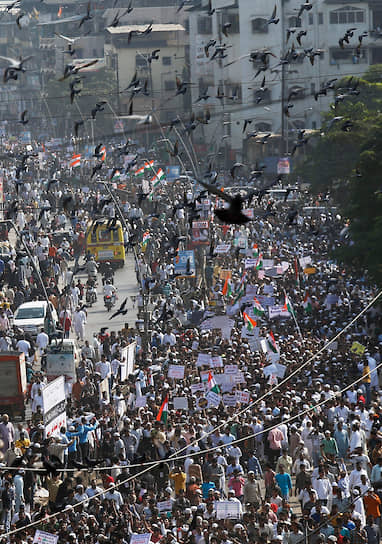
point(284, 126)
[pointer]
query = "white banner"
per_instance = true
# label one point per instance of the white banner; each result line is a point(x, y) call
point(41, 537)
point(228, 509)
point(54, 406)
point(142, 538)
point(176, 372)
point(222, 248)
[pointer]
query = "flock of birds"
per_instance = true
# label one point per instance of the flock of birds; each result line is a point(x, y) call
point(215, 49)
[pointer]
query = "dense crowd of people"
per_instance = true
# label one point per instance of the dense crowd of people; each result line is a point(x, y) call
point(253, 414)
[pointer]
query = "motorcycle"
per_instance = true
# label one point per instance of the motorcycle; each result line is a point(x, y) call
point(109, 301)
point(91, 295)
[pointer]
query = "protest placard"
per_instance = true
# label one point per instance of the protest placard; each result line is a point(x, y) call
point(228, 509)
point(213, 399)
point(141, 538)
point(176, 372)
point(204, 359)
point(41, 537)
point(180, 403)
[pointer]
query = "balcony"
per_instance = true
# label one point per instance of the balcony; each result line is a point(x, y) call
point(47, 43)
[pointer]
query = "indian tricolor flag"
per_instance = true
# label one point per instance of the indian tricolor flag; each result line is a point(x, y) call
point(102, 153)
point(75, 161)
point(255, 250)
point(116, 176)
point(288, 306)
point(272, 343)
point(257, 307)
point(227, 289)
point(163, 411)
point(307, 303)
point(149, 165)
point(212, 385)
point(250, 323)
point(146, 237)
point(140, 171)
point(259, 262)
point(157, 178)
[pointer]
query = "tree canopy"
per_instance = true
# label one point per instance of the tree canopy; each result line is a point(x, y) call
point(347, 162)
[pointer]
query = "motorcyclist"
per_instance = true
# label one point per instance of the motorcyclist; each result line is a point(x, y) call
point(107, 272)
point(92, 268)
point(109, 290)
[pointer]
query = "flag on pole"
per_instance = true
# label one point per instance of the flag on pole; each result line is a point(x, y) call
point(259, 262)
point(257, 307)
point(59, 13)
point(145, 239)
point(307, 304)
point(212, 385)
point(116, 176)
point(103, 153)
point(251, 323)
point(140, 171)
point(255, 250)
point(163, 411)
point(149, 165)
point(157, 178)
point(272, 342)
point(227, 289)
point(75, 160)
point(288, 306)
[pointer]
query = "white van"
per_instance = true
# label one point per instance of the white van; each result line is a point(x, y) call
point(31, 317)
point(62, 359)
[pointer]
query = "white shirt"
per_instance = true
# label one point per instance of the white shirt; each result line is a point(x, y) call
point(42, 340)
point(24, 346)
point(108, 290)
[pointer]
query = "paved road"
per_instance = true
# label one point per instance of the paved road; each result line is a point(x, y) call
point(126, 284)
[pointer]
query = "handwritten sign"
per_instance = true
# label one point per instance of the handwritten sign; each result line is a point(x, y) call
point(176, 372)
point(357, 348)
point(41, 537)
point(228, 509)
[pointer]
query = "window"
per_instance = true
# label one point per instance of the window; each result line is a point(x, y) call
point(205, 25)
point(313, 88)
point(233, 89)
point(263, 127)
point(347, 15)
point(347, 56)
point(294, 22)
point(296, 92)
point(314, 125)
point(166, 61)
point(140, 62)
point(265, 97)
point(310, 18)
point(320, 18)
point(233, 18)
point(169, 85)
point(259, 25)
point(104, 235)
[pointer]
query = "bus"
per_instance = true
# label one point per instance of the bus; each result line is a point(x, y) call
point(106, 244)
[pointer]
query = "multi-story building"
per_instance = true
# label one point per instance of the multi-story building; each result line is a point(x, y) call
point(325, 24)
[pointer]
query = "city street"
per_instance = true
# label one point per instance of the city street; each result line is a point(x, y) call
point(126, 284)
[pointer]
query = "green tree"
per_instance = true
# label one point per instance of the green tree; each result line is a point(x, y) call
point(348, 164)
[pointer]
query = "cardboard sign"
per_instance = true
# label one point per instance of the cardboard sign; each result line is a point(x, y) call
point(229, 400)
point(228, 509)
point(180, 403)
point(140, 402)
point(231, 369)
point(204, 359)
point(176, 372)
point(164, 506)
point(222, 249)
point(197, 387)
point(213, 399)
point(242, 396)
point(216, 362)
point(357, 348)
point(41, 537)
